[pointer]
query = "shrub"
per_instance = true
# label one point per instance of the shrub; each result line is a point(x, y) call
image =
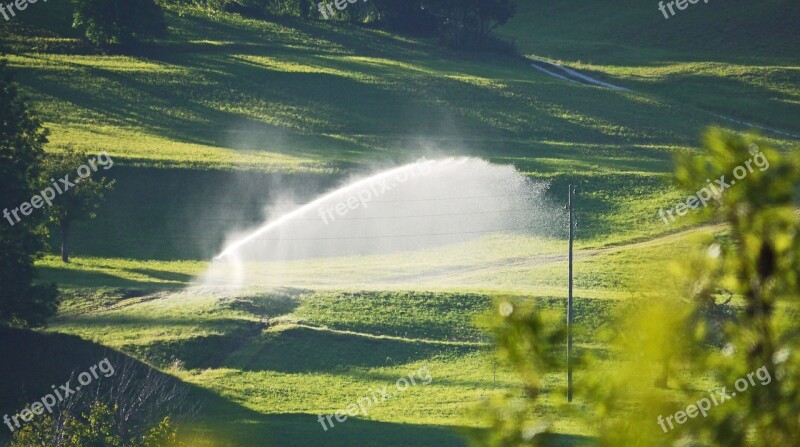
point(96, 427)
point(119, 22)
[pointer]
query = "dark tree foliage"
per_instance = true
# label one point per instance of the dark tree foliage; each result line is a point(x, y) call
point(469, 23)
point(79, 202)
point(463, 24)
point(458, 23)
point(119, 22)
point(22, 141)
point(413, 16)
point(305, 8)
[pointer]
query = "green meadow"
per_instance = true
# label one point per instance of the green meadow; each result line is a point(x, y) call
point(227, 114)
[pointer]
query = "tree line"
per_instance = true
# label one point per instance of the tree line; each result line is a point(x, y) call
point(461, 24)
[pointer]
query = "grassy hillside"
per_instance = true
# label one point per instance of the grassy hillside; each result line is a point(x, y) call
point(324, 100)
point(227, 114)
point(281, 362)
point(227, 91)
point(735, 58)
point(285, 355)
point(288, 97)
point(724, 31)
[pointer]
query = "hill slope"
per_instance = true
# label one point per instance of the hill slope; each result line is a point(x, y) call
point(735, 58)
point(229, 114)
point(324, 100)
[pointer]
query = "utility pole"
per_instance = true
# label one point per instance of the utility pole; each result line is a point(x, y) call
point(569, 298)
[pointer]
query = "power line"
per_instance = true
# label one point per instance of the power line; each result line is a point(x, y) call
point(434, 199)
point(350, 237)
point(257, 220)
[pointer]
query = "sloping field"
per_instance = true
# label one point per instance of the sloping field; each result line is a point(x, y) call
point(228, 115)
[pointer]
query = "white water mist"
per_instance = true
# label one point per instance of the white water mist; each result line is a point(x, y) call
point(410, 208)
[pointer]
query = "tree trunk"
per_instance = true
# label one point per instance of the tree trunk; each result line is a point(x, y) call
point(305, 8)
point(65, 227)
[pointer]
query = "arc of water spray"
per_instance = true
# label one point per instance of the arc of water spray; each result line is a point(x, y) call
point(230, 249)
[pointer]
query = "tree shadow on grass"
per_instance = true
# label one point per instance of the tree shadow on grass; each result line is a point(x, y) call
point(245, 346)
point(82, 278)
point(32, 361)
point(35, 361)
point(163, 275)
point(306, 430)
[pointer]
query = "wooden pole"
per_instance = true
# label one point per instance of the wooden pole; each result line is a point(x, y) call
point(569, 299)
